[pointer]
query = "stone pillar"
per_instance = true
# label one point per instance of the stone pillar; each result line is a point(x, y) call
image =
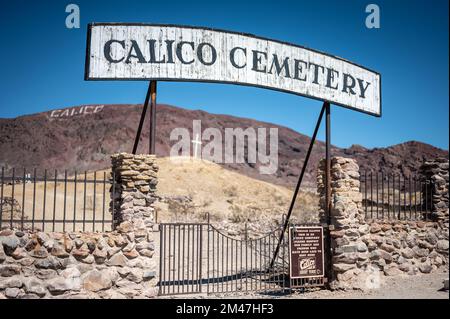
point(133, 196)
point(134, 191)
point(436, 171)
point(350, 253)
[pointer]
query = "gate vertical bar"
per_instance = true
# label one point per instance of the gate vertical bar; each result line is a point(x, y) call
point(223, 271)
point(260, 264)
point(236, 264)
point(23, 199)
point(184, 244)
point(273, 266)
point(415, 196)
point(376, 182)
point(161, 243)
point(12, 196)
point(178, 257)
point(217, 264)
point(170, 270)
point(164, 250)
point(113, 200)
point(410, 194)
point(226, 268)
point(426, 199)
point(241, 260)
point(401, 202)
point(388, 197)
point(233, 262)
point(34, 199)
point(93, 204)
point(45, 197)
point(250, 264)
point(371, 195)
point(284, 260)
point(404, 197)
point(193, 258)
point(234, 269)
point(213, 259)
point(207, 257)
point(84, 200)
point(200, 258)
point(285, 264)
point(75, 201)
point(382, 194)
point(246, 258)
point(365, 193)
point(55, 185)
point(420, 200)
point(104, 201)
point(65, 201)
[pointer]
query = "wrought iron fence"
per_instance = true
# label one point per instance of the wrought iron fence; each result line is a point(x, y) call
point(198, 257)
point(53, 201)
point(396, 196)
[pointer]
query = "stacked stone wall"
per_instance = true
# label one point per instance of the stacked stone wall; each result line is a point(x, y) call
point(364, 251)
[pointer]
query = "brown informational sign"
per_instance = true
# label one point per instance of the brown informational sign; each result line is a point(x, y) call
point(306, 251)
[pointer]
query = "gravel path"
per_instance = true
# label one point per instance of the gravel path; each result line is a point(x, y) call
point(429, 286)
point(405, 287)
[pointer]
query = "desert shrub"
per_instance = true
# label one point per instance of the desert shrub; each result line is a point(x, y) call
point(230, 191)
point(238, 215)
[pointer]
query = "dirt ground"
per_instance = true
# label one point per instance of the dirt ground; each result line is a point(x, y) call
point(426, 286)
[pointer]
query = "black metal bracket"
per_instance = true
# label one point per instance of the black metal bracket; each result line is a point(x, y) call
point(325, 106)
point(150, 98)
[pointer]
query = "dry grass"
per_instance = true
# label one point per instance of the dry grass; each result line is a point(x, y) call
point(227, 196)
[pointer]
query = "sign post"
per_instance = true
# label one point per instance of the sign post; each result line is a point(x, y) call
point(328, 191)
point(152, 117)
point(151, 96)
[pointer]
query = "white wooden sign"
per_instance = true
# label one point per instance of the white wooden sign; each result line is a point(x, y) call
point(181, 53)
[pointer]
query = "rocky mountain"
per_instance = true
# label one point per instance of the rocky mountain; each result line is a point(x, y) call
point(82, 138)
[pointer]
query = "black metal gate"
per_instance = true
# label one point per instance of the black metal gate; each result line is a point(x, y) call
point(198, 258)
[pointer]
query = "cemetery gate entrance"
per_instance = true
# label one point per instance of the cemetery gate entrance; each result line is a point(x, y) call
point(199, 258)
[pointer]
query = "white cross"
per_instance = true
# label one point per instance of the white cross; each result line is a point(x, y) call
point(196, 143)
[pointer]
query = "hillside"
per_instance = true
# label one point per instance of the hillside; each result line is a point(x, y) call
point(190, 189)
point(64, 139)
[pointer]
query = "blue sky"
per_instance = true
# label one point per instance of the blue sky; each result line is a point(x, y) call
point(42, 62)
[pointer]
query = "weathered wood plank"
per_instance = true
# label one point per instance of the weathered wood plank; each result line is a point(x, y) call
point(156, 52)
